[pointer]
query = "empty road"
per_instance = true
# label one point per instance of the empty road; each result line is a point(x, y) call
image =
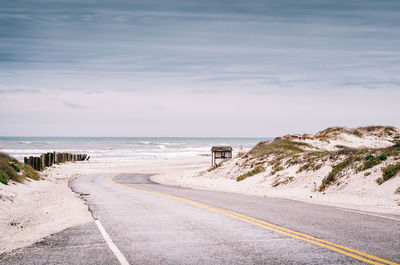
point(141, 222)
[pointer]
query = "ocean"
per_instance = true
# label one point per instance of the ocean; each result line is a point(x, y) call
point(123, 148)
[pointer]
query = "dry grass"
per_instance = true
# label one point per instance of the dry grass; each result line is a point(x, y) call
point(12, 170)
point(279, 147)
point(214, 167)
point(278, 181)
point(251, 173)
point(331, 133)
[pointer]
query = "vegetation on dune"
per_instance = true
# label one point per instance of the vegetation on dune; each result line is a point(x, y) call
point(285, 181)
point(379, 131)
point(278, 146)
point(214, 167)
point(305, 167)
point(12, 170)
point(397, 190)
point(276, 167)
point(369, 157)
point(297, 150)
point(252, 172)
point(332, 176)
point(371, 161)
point(389, 172)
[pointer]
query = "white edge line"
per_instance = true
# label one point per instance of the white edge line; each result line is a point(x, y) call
point(111, 244)
point(377, 215)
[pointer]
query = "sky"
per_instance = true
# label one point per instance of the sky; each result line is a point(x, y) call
point(258, 68)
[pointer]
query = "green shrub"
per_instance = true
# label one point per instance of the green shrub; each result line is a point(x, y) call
point(388, 172)
point(251, 173)
point(382, 157)
point(371, 161)
point(3, 180)
point(369, 157)
point(15, 167)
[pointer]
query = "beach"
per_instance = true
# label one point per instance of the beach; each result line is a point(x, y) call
point(36, 209)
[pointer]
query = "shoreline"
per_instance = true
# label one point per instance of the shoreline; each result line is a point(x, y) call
point(50, 205)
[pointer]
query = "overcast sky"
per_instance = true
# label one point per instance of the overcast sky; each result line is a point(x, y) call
point(197, 68)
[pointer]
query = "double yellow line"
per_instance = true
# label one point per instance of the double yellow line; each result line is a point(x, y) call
point(362, 256)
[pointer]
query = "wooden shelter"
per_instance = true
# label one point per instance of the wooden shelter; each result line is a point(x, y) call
point(220, 152)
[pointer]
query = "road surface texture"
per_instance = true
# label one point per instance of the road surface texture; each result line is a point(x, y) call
point(141, 222)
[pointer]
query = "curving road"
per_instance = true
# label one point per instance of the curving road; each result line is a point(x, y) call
point(148, 223)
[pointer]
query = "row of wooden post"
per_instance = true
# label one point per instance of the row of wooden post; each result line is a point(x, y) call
point(48, 159)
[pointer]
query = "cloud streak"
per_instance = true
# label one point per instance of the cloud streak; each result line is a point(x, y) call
point(74, 105)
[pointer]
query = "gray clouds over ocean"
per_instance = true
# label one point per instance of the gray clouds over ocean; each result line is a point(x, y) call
point(204, 49)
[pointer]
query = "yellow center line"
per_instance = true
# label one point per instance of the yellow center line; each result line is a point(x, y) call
point(362, 256)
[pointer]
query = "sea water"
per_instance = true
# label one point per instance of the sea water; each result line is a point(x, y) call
point(122, 148)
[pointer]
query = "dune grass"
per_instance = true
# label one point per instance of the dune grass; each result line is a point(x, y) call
point(252, 172)
point(388, 172)
point(336, 170)
point(278, 146)
point(12, 170)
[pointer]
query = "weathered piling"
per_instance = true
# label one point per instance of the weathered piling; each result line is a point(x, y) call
point(37, 163)
point(42, 161)
point(30, 161)
point(48, 159)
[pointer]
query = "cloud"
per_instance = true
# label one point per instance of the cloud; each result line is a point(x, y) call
point(74, 105)
point(19, 91)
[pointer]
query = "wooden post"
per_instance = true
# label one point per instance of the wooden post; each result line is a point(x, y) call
point(43, 161)
point(54, 157)
point(37, 163)
point(25, 160)
point(30, 161)
point(46, 160)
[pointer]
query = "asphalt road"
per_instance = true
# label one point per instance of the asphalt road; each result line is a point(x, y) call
point(157, 224)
